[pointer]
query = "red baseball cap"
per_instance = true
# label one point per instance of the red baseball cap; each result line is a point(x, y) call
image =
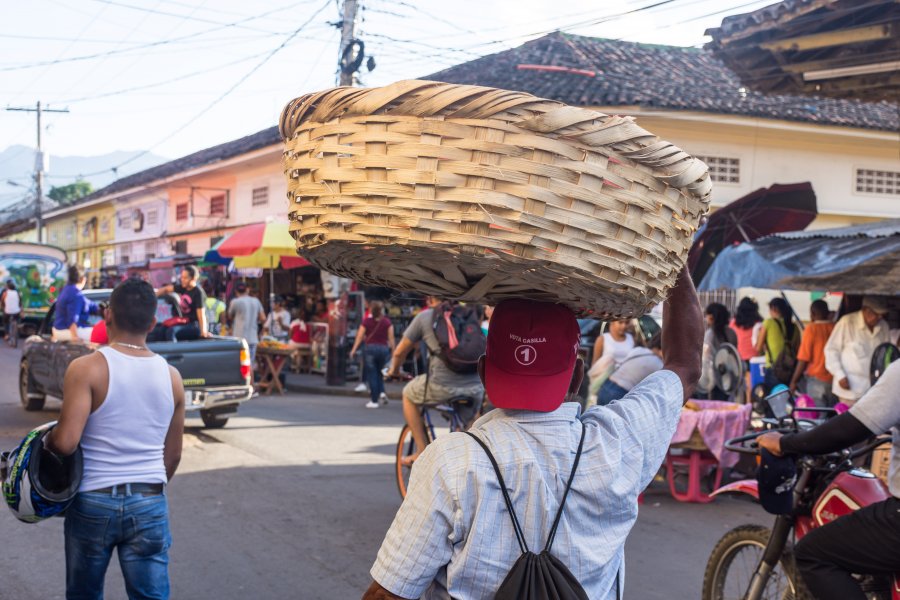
point(531, 352)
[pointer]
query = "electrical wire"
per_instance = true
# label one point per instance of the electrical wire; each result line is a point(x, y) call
point(212, 104)
point(178, 15)
point(153, 44)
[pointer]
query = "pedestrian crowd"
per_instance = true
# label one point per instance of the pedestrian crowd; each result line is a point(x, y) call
point(540, 472)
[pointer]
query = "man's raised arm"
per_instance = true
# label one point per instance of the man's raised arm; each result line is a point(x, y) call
point(682, 333)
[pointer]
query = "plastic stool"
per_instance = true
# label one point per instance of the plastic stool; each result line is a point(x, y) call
point(697, 461)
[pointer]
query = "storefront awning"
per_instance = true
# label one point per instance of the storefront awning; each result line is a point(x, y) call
point(864, 259)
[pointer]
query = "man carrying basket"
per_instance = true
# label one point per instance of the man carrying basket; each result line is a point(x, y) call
point(451, 537)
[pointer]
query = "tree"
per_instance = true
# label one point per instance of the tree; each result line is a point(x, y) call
point(69, 194)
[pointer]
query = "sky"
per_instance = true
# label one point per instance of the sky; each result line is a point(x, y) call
point(176, 76)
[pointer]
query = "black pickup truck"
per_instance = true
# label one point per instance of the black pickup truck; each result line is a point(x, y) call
point(216, 371)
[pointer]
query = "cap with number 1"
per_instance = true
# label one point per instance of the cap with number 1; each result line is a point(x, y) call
point(531, 352)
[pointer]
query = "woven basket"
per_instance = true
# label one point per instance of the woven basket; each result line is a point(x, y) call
point(480, 194)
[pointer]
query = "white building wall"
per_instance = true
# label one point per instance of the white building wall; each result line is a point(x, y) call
point(149, 240)
point(780, 152)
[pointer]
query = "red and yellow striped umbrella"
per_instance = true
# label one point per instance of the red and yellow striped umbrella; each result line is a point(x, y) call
point(262, 246)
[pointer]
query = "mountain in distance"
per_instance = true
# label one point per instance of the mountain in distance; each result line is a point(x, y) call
point(17, 164)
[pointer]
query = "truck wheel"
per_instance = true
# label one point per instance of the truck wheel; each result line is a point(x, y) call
point(213, 420)
point(29, 400)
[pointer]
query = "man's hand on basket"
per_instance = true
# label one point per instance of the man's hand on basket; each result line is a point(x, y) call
point(770, 441)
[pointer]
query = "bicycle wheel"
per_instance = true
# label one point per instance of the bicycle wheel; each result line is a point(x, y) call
point(405, 446)
point(734, 561)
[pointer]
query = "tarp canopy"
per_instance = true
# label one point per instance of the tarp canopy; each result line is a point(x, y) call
point(863, 259)
point(776, 209)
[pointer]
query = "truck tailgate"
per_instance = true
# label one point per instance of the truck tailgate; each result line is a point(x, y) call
point(205, 362)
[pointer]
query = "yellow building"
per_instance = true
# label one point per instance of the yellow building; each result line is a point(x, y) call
point(86, 234)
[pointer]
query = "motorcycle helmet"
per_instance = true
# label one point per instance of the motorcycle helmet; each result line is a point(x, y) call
point(38, 484)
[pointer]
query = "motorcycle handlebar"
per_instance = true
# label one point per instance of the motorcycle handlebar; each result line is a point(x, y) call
point(737, 444)
point(869, 446)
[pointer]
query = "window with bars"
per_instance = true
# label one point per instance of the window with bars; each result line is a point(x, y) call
point(152, 217)
point(181, 212)
point(870, 181)
point(217, 206)
point(723, 169)
point(125, 220)
point(181, 247)
point(260, 196)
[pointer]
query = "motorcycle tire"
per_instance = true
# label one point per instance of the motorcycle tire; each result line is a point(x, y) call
point(728, 548)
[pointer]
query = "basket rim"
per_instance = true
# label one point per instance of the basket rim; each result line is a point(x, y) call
point(585, 127)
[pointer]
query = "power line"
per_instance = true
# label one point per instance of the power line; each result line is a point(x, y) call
point(151, 44)
point(163, 82)
point(224, 95)
point(165, 13)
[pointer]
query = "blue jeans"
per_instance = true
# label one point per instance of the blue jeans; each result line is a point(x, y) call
point(137, 525)
point(610, 391)
point(376, 357)
point(183, 333)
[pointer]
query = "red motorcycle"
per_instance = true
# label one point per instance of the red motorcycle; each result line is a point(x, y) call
point(752, 562)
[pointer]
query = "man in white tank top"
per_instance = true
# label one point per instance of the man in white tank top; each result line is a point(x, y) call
point(125, 406)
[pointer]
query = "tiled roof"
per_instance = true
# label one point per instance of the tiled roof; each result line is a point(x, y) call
point(768, 16)
point(207, 156)
point(651, 76)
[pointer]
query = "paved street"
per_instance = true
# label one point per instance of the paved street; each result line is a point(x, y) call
point(292, 498)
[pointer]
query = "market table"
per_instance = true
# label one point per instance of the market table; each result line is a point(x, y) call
point(699, 444)
point(271, 360)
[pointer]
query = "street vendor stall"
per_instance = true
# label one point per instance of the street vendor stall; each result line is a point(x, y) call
point(698, 446)
point(863, 259)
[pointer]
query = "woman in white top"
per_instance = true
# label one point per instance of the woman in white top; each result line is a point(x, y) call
point(616, 342)
point(12, 308)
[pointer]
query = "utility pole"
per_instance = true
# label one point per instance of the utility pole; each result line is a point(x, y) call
point(336, 287)
point(348, 30)
point(39, 165)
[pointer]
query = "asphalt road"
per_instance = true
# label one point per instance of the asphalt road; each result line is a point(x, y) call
point(291, 501)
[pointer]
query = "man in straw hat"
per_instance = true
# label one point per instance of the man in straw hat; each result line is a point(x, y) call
point(452, 536)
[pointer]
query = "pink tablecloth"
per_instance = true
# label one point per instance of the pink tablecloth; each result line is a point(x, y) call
point(717, 422)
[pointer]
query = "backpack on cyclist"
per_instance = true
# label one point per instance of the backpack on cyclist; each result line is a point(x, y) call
point(458, 331)
point(538, 576)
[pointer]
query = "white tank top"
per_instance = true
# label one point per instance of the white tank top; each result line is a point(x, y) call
point(618, 350)
point(124, 438)
point(11, 304)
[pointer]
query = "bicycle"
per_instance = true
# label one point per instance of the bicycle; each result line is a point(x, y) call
point(453, 410)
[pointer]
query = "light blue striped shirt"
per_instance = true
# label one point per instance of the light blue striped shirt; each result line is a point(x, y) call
point(453, 537)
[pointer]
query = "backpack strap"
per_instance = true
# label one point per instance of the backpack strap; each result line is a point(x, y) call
point(509, 507)
point(520, 537)
point(562, 503)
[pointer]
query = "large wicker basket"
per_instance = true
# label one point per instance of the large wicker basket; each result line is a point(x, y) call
point(481, 194)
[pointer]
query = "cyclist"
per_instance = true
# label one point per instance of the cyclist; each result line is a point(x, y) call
point(438, 384)
point(453, 537)
point(868, 540)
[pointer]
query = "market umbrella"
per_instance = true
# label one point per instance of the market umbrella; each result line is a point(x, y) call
point(265, 246)
point(777, 209)
point(212, 256)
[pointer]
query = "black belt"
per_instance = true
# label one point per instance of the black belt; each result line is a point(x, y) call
point(147, 489)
